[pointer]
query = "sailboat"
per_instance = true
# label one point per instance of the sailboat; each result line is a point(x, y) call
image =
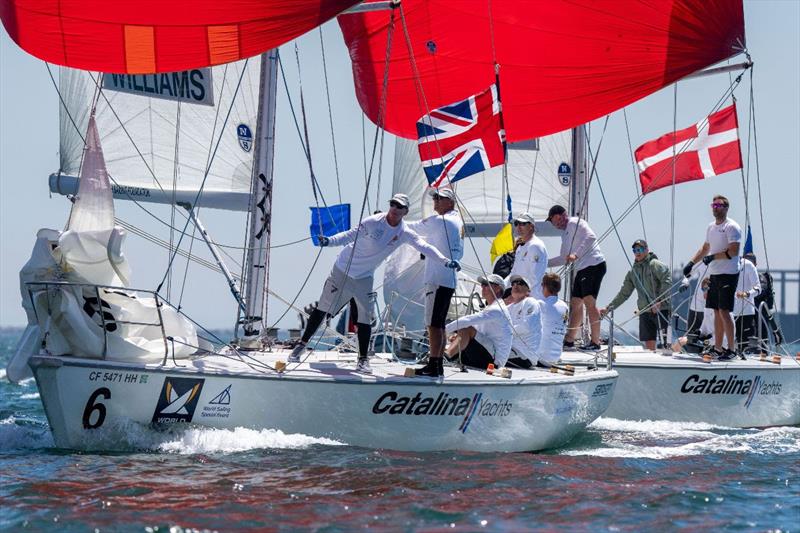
point(93, 352)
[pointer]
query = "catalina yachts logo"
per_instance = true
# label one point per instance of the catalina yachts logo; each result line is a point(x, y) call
point(178, 400)
point(245, 135)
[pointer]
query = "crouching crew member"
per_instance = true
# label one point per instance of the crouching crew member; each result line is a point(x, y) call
point(555, 316)
point(526, 321)
point(483, 337)
point(744, 308)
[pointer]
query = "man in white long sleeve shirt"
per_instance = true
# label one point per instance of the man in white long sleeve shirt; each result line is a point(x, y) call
point(444, 231)
point(530, 258)
point(579, 246)
point(365, 247)
point(555, 315)
point(744, 308)
point(483, 337)
point(526, 321)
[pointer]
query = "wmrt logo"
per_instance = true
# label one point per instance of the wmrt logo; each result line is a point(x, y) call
point(178, 400)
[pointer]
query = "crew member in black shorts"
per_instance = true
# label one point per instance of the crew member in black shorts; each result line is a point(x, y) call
point(444, 231)
point(579, 247)
point(720, 253)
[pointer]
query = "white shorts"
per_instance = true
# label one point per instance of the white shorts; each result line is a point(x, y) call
point(338, 291)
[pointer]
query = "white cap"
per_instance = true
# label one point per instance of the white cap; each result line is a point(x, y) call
point(525, 217)
point(494, 279)
point(444, 192)
point(515, 277)
point(401, 199)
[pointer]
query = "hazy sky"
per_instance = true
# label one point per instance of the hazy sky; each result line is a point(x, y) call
point(29, 153)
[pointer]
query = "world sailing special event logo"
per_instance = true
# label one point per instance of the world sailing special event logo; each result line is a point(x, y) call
point(178, 400)
point(732, 385)
point(245, 135)
point(392, 403)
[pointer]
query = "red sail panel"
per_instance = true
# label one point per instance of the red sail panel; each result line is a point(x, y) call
point(562, 63)
point(144, 36)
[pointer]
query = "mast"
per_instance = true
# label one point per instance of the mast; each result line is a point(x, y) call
point(260, 230)
point(578, 195)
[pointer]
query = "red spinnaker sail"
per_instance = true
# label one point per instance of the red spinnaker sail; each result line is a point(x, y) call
point(144, 36)
point(562, 62)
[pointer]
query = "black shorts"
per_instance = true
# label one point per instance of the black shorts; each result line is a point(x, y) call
point(519, 362)
point(437, 304)
point(476, 355)
point(587, 281)
point(722, 291)
point(651, 323)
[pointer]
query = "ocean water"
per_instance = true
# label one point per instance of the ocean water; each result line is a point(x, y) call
point(616, 476)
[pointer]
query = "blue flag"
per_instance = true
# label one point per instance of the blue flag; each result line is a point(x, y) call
point(329, 221)
point(748, 242)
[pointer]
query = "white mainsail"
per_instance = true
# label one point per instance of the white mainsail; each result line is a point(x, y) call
point(158, 150)
point(534, 185)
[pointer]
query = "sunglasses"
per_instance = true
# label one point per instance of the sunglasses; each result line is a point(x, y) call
point(520, 283)
point(518, 223)
point(718, 205)
point(639, 249)
point(484, 284)
point(396, 205)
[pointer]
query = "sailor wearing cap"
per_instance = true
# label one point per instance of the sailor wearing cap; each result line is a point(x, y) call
point(579, 246)
point(444, 231)
point(365, 247)
point(483, 337)
point(530, 259)
point(526, 320)
point(652, 282)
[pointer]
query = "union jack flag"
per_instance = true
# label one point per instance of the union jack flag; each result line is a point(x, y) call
point(461, 139)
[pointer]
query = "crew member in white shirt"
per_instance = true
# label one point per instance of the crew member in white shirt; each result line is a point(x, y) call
point(530, 257)
point(483, 337)
point(744, 307)
point(555, 315)
point(526, 321)
point(720, 252)
point(365, 247)
point(579, 247)
point(444, 230)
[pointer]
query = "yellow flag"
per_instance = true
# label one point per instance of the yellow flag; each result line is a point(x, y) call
point(502, 243)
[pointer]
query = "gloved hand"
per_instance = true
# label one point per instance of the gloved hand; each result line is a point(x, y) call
point(684, 285)
point(455, 265)
point(707, 259)
point(687, 269)
point(323, 241)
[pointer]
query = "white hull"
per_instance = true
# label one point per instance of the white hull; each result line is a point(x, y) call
point(321, 398)
point(683, 388)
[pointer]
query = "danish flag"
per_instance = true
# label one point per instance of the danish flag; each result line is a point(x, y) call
point(461, 139)
point(708, 148)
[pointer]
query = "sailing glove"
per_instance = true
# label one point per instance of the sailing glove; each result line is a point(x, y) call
point(455, 265)
point(687, 269)
point(684, 285)
point(707, 259)
point(323, 241)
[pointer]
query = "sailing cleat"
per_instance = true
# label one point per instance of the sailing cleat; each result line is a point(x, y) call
point(363, 366)
point(434, 368)
point(297, 351)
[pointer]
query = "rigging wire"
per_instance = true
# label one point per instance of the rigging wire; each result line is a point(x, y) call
point(635, 173)
point(330, 114)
